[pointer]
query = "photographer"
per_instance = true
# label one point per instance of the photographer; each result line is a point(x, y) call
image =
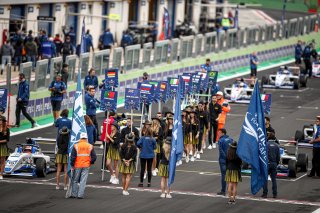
point(57, 88)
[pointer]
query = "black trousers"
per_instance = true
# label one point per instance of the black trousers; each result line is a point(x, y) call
point(308, 65)
point(143, 162)
point(200, 139)
point(315, 170)
point(95, 123)
point(22, 106)
point(213, 129)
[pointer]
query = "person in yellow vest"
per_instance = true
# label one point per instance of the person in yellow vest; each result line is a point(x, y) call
point(82, 157)
point(225, 22)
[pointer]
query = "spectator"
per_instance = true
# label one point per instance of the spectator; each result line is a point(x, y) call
point(147, 145)
point(163, 122)
point(6, 53)
point(113, 153)
point(65, 74)
point(88, 41)
point(224, 143)
point(128, 154)
point(233, 173)
point(269, 128)
point(48, 49)
point(207, 66)
point(91, 107)
point(18, 48)
point(164, 168)
point(62, 155)
point(225, 23)
point(40, 40)
point(71, 34)
point(298, 53)
point(126, 39)
point(127, 130)
point(57, 88)
point(28, 37)
point(82, 157)
point(64, 120)
point(214, 115)
point(31, 51)
point(91, 130)
point(58, 42)
point(22, 101)
point(91, 79)
point(67, 49)
point(106, 39)
point(4, 139)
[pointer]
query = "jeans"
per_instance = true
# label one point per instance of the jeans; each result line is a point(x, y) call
point(6, 59)
point(78, 181)
point(223, 170)
point(143, 162)
point(22, 106)
point(272, 171)
point(214, 127)
point(33, 59)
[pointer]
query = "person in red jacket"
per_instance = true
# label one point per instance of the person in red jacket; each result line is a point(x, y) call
point(225, 109)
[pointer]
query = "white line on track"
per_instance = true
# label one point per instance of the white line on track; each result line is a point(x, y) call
point(303, 119)
point(289, 96)
point(178, 192)
point(304, 107)
point(236, 115)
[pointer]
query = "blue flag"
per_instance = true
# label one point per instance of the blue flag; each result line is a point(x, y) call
point(78, 124)
point(252, 145)
point(83, 39)
point(177, 137)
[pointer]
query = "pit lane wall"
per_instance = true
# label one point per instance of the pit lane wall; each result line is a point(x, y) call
point(229, 64)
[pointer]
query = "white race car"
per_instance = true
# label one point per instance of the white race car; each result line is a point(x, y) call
point(28, 160)
point(238, 92)
point(285, 78)
point(316, 69)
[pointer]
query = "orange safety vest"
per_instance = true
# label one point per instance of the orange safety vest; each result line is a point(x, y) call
point(83, 149)
point(225, 110)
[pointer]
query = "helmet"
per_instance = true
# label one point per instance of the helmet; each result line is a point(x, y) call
point(241, 84)
point(219, 93)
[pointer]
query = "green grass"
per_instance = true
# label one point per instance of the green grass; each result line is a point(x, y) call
point(292, 5)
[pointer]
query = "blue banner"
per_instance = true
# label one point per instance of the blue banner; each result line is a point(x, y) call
point(195, 84)
point(156, 96)
point(252, 146)
point(173, 86)
point(132, 99)
point(146, 92)
point(187, 83)
point(164, 91)
point(111, 79)
point(108, 100)
point(3, 98)
point(203, 80)
point(266, 101)
point(212, 78)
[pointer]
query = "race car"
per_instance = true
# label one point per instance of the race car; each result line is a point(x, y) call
point(316, 69)
point(305, 136)
point(289, 162)
point(28, 160)
point(285, 78)
point(238, 92)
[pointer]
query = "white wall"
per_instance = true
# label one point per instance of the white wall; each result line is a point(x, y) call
point(196, 13)
point(143, 12)
point(180, 12)
point(117, 26)
point(60, 19)
point(4, 21)
point(32, 23)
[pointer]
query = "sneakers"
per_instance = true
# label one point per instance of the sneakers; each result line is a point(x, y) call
point(125, 193)
point(101, 146)
point(214, 145)
point(190, 153)
point(198, 156)
point(210, 147)
point(201, 151)
point(145, 175)
point(184, 155)
point(33, 125)
point(204, 147)
point(221, 193)
point(57, 187)
point(154, 173)
point(187, 159)
point(112, 178)
point(168, 196)
point(115, 181)
point(163, 195)
point(264, 196)
point(156, 169)
point(192, 159)
point(65, 188)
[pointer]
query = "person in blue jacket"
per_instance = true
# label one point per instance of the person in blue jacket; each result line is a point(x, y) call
point(223, 142)
point(91, 130)
point(48, 49)
point(307, 60)
point(126, 39)
point(57, 89)
point(207, 66)
point(63, 120)
point(91, 107)
point(91, 80)
point(22, 101)
point(147, 145)
point(298, 53)
point(315, 170)
point(89, 41)
point(106, 39)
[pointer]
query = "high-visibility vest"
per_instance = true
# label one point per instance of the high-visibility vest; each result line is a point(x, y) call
point(225, 22)
point(225, 110)
point(83, 149)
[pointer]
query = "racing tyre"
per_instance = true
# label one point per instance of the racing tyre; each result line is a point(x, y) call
point(296, 84)
point(292, 166)
point(264, 80)
point(299, 136)
point(303, 81)
point(302, 162)
point(41, 167)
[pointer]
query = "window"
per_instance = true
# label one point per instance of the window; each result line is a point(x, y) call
point(90, 13)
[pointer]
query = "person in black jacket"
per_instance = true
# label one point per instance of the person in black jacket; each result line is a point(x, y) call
point(214, 115)
point(127, 130)
point(164, 168)
point(158, 135)
point(203, 125)
point(233, 174)
point(128, 154)
point(62, 156)
point(113, 153)
point(273, 161)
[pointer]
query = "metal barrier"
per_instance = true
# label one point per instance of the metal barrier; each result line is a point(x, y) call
point(161, 52)
point(100, 61)
point(198, 41)
point(174, 49)
point(71, 61)
point(117, 57)
point(26, 69)
point(186, 47)
point(55, 67)
point(84, 64)
point(221, 41)
point(210, 42)
point(231, 38)
point(8, 83)
point(132, 56)
point(41, 74)
point(147, 50)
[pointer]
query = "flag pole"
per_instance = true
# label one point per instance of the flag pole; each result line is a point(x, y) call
point(142, 115)
point(150, 111)
point(131, 118)
point(159, 105)
point(104, 151)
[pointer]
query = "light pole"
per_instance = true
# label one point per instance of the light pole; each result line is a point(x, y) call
point(283, 11)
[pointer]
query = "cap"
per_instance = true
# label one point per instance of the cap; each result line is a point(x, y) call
point(83, 135)
point(219, 93)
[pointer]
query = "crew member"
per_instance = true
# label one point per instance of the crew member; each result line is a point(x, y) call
point(57, 88)
point(307, 60)
point(298, 53)
point(91, 107)
point(315, 171)
point(225, 107)
point(91, 80)
point(214, 115)
point(253, 66)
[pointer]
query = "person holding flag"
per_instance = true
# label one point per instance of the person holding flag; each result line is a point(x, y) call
point(252, 146)
point(163, 168)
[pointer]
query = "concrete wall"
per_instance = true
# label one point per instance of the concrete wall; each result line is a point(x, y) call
point(60, 18)
point(143, 12)
point(31, 17)
point(4, 20)
point(180, 12)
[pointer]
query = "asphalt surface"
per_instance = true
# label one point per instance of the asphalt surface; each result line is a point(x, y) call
point(196, 183)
